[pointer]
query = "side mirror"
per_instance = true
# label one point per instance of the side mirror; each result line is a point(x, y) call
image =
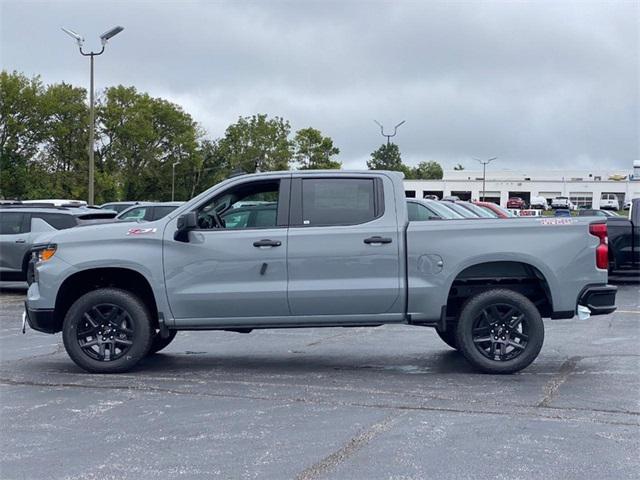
point(186, 222)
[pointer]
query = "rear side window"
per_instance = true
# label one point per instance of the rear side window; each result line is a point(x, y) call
point(56, 220)
point(11, 223)
point(338, 201)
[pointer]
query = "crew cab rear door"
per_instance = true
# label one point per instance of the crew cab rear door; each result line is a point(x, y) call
point(343, 247)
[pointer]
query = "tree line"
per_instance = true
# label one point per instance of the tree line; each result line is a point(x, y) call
point(44, 145)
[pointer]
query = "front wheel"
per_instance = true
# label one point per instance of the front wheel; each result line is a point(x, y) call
point(107, 331)
point(500, 331)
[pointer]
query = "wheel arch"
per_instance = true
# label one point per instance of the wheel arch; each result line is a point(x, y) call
point(521, 276)
point(84, 281)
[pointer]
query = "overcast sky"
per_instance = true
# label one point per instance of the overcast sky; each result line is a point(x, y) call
point(538, 84)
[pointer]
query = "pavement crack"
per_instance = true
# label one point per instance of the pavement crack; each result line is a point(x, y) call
point(349, 449)
point(552, 386)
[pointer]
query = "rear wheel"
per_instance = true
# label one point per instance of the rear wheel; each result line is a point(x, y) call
point(159, 342)
point(500, 331)
point(107, 331)
point(448, 336)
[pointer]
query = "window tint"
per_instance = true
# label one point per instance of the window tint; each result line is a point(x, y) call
point(56, 220)
point(160, 212)
point(337, 201)
point(11, 223)
point(248, 205)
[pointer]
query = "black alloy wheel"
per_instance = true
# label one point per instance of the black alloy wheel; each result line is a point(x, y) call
point(106, 332)
point(500, 332)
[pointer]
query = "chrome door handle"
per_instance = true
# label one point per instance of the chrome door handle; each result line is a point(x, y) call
point(21, 240)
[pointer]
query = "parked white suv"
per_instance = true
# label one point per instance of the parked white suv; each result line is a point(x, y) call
point(539, 202)
point(562, 202)
point(609, 201)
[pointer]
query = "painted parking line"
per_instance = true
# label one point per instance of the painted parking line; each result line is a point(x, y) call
point(628, 311)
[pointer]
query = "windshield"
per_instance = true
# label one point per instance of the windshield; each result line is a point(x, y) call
point(443, 211)
point(461, 210)
point(485, 213)
point(504, 210)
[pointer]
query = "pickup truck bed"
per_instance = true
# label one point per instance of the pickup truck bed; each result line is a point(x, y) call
point(327, 249)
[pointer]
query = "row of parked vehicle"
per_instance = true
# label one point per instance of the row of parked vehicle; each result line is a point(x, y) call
point(608, 201)
point(22, 222)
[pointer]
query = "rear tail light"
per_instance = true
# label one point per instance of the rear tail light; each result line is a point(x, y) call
point(602, 250)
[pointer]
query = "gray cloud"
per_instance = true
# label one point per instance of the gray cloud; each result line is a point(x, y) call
point(537, 83)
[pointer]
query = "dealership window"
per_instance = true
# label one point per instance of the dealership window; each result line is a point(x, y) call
point(432, 193)
point(461, 194)
point(581, 199)
point(410, 193)
point(549, 196)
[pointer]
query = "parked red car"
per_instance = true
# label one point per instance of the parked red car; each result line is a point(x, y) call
point(497, 209)
point(516, 202)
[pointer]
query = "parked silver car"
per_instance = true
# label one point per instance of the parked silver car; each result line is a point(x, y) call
point(18, 232)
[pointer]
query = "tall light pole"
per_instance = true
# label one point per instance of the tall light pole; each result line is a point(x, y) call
point(395, 130)
point(104, 38)
point(173, 179)
point(484, 172)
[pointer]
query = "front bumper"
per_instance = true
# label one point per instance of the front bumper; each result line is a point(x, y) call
point(41, 320)
point(599, 299)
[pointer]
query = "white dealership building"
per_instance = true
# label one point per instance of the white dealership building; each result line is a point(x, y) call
point(584, 188)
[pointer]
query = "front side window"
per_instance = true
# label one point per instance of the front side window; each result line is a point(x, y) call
point(11, 223)
point(248, 205)
point(338, 201)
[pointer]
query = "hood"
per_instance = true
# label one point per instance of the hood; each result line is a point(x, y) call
point(105, 233)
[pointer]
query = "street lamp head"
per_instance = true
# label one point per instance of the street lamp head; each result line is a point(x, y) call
point(78, 38)
point(110, 34)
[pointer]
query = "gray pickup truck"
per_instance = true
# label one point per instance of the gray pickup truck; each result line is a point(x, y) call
point(315, 249)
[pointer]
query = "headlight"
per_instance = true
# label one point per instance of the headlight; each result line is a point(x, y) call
point(43, 253)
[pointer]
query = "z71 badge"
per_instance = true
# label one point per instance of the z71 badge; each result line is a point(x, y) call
point(141, 231)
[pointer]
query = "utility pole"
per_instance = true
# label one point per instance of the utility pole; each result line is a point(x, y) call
point(484, 173)
point(389, 136)
point(173, 179)
point(104, 38)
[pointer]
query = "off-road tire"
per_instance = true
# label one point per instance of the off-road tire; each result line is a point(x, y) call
point(532, 328)
point(138, 319)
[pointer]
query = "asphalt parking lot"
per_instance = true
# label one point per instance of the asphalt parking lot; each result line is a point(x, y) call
point(391, 402)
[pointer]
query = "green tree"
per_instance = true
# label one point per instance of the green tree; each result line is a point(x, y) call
point(140, 138)
point(386, 157)
point(22, 129)
point(314, 151)
point(257, 144)
point(64, 153)
point(427, 171)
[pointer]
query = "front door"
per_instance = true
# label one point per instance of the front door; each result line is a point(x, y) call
point(344, 247)
point(233, 265)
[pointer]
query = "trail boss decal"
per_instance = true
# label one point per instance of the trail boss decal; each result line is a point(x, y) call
point(141, 231)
